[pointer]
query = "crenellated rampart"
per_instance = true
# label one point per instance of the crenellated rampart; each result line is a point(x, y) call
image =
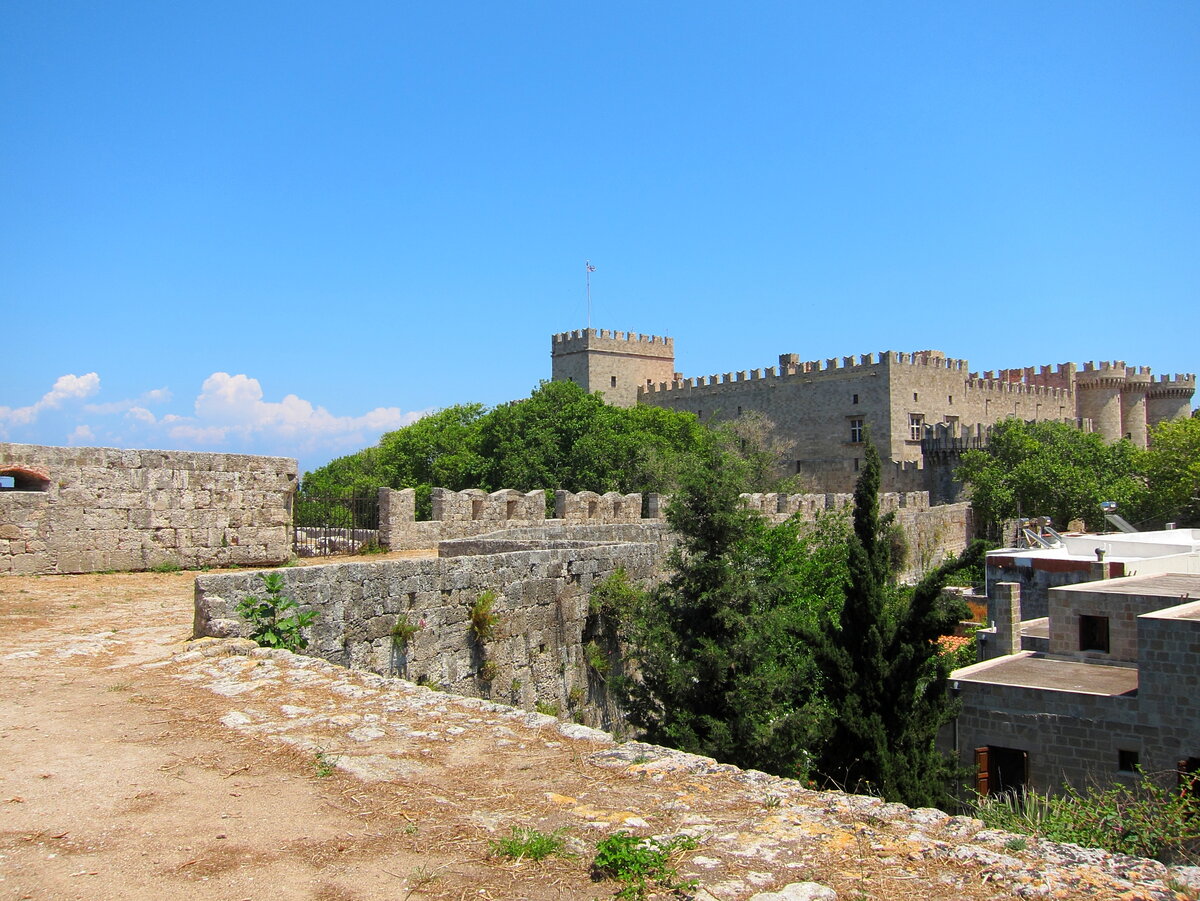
point(605, 339)
point(521, 517)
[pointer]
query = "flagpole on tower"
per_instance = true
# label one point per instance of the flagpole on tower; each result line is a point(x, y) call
point(589, 269)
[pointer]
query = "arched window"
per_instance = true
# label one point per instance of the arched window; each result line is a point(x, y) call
point(20, 478)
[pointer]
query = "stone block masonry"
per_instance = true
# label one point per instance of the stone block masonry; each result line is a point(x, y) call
point(542, 622)
point(94, 509)
point(932, 532)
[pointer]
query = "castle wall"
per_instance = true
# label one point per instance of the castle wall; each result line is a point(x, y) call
point(818, 406)
point(90, 509)
point(815, 407)
point(616, 364)
point(1169, 398)
point(541, 618)
point(464, 514)
point(932, 532)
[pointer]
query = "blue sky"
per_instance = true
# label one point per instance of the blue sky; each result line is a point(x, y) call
point(288, 227)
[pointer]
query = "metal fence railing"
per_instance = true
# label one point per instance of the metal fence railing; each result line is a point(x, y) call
point(327, 525)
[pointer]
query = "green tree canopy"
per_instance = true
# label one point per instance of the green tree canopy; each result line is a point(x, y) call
point(1172, 466)
point(722, 667)
point(558, 437)
point(883, 676)
point(1051, 469)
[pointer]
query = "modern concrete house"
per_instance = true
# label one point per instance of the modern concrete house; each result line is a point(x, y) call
point(1108, 682)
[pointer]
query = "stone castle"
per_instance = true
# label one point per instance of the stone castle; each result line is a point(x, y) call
point(825, 408)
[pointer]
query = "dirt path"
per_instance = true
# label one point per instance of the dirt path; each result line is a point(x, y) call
point(138, 766)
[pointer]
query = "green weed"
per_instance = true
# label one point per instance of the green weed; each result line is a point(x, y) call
point(1149, 818)
point(276, 621)
point(595, 658)
point(166, 566)
point(639, 863)
point(483, 620)
point(325, 763)
point(530, 844)
point(546, 707)
point(404, 631)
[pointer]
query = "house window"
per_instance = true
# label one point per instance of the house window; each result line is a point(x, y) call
point(856, 431)
point(856, 464)
point(916, 425)
point(613, 382)
point(1093, 633)
point(950, 399)
point(1127, 761)
point(915, 396)
point(854, 399)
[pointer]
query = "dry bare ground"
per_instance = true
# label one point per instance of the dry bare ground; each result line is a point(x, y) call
point(128, 773)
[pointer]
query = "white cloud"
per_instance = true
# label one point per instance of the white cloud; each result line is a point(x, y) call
point(81, 435)
point(140, 414)
point(232, 406)
point(66, 387)
point(155, 396)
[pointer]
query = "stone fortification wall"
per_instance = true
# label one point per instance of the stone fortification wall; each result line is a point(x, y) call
point(825, 407)
point(463, 514)
point(90, 509)
point(542, 622)
point(932, 531)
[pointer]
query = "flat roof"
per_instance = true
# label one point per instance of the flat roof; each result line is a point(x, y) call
point(1117, 546)
point(1174, 588)
point(1031, 670)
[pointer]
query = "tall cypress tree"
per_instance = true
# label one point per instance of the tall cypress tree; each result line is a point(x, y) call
point(883, 676)
point(722, 668)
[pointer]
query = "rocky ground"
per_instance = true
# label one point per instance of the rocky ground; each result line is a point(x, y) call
point(139, 765)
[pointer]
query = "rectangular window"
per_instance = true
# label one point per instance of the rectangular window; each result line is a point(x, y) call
point(856, 431)
point(614, 382)
point(1127, 761)
point(950, 399)
point(916, 425)
point(915, 396)
point(1093, 633)
point(856, 464)
point(854, 399)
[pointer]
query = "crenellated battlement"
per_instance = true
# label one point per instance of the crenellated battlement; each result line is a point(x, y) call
point(990, 384)
point(791, 366)
point(613, 341)
point(1185, 382)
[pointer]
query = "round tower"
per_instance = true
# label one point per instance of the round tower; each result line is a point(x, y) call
point(1169, 398)
point(1099, 397)
point(1133, 404)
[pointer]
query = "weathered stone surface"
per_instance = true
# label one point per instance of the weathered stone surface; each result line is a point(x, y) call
point(412, 617)
point(96, 509)
point(799, 891)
